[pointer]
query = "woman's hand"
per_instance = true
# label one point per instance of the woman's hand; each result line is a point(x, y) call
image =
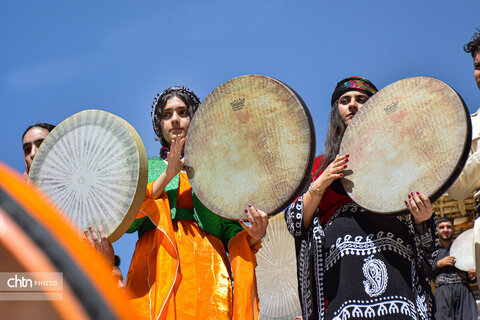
point(174, 165)
point(102, 245)
point(174, 157)
point(332, 172)
point(258, 224)
point(311, 199)
point(419, 206)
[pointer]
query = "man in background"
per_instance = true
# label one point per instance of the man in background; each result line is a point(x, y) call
point(32, 138)
point(453, 296)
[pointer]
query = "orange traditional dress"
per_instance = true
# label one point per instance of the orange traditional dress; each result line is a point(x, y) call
point(180, 268)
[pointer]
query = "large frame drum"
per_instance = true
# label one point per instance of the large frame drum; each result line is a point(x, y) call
point(413, 135)
point(251, 140)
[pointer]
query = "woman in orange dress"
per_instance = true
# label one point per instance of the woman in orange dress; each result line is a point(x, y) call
point(180, 268)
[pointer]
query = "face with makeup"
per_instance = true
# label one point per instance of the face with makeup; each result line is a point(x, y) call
point(349, 103)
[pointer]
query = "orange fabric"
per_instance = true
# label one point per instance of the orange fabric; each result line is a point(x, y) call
point(242, 257)
point(184, 197)
point(152, 298)
point(179, 271)
point(206, 286)
point(31, 258)
point(87, 259)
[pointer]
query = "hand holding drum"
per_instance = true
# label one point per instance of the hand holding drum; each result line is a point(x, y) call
point(259, 147)
point(413, 135)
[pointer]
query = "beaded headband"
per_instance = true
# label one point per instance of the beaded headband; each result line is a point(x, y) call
point(353, 83)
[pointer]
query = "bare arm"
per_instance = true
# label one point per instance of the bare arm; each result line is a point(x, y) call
point(311, 199)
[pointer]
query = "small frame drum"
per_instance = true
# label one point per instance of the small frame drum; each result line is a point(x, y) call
point(463, 248)
point(251, 140)
point(93, 165)
point(413, 135)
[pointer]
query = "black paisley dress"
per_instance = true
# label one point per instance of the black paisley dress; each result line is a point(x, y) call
point(362, 265)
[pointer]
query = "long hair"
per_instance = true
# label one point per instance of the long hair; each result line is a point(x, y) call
point(335, 132)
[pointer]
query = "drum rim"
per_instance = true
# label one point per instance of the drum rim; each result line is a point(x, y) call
point(137, 199)
point(463, 158)
point(307, 175)
point(460, 163)
point(311, 158)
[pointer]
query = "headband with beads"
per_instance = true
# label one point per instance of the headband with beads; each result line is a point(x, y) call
point(353, 83)
point(159, 97)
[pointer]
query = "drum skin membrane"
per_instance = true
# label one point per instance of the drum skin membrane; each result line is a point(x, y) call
point(275, 271)
point(93, 165)
point(251, 141)
point(463, 249)
point(413, 135)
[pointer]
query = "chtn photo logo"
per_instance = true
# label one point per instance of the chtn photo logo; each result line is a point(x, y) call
point(26, 282)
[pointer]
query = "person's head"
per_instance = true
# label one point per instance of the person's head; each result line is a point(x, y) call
point(32, 138)
point(117, 273)
point(445, 228)
point(172, 112)
point(473, 47)
point(348, 97)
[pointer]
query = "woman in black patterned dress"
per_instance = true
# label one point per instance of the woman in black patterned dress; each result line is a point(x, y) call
point(354, 264)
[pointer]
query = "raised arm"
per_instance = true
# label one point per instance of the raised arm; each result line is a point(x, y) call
point(174, 165)
point(311, 198)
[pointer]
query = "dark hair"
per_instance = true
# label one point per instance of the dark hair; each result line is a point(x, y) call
point(116, 261)
point(444, 219)
point(473, 45)
point(183, 93)
point(43, 125)
point(335, 132)
point(336, 128)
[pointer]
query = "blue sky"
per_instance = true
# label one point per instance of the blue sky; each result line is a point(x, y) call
point(62, 57)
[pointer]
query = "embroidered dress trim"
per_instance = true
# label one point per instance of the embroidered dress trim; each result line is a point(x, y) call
point(372, 308)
